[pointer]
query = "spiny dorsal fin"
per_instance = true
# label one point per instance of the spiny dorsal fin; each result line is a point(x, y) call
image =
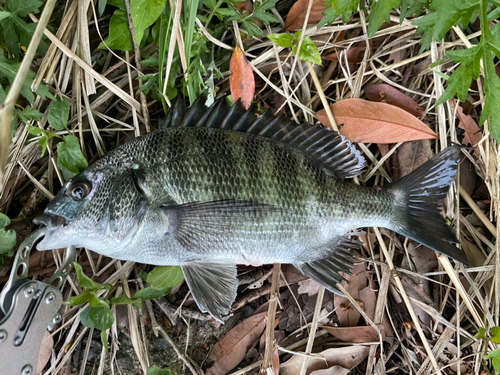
point(338, 156)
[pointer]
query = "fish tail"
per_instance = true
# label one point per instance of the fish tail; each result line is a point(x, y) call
point(418, 198)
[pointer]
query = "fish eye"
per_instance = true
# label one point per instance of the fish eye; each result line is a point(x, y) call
point(79, 190)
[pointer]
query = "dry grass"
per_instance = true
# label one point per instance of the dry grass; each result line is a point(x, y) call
point(463, 299)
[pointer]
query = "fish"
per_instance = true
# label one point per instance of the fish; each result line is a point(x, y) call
point(215, 187)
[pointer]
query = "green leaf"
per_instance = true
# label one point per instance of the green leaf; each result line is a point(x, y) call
point(164, 277)
point(7, 242)
point(99, 317)
point(21, 8)
point(491, 108)
point(329, 16)
point(282, 40)
point(120, 4)
point(122, 300)
point(4, 15)
point(79, 299)
point(101, 6)
point(308, 51)
point(104, 340)
point(155, 370)
point(7, 237)
point(70, 156)
point(380, 12)
point(494, 354)
point(495, 335)
point(150, 293)
point(59, 113)
point(4, 220)
point(119, 37)
point(482, 334)
point(143, 19)
point(86, 282)
point(29, 113)
point(97, 301)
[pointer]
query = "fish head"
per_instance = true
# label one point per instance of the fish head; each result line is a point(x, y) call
point(99, 209)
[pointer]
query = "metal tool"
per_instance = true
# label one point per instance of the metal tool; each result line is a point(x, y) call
point(28, 308)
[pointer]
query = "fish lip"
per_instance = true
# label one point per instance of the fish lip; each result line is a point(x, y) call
point(55, 225)
point(51, 220)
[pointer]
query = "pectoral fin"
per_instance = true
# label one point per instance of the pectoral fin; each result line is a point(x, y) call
point(198, 223)
point(213, 284)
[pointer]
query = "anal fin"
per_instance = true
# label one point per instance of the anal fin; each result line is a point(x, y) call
point(213, 284)
point(326, 271)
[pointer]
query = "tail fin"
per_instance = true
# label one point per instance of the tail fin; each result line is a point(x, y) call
point(419, 195)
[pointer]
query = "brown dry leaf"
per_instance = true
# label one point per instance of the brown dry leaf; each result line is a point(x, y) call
point(347, 314)
point(412, 155)
point(45, 352)
point(356, 334)
point(297, 14)
point(309, 287)
point(335, 370)
point(347, 357)
point(391, 95)
point(473, 134)
point(291, 274)
point(276, 361)
point(246, 5)
point(242, 80)
point(352, 55)
point(362, 121)
point(233, 347)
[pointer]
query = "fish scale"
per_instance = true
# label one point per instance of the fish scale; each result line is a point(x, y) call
point(220, 186)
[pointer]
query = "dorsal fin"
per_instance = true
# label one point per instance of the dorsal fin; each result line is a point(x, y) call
point(337, 155)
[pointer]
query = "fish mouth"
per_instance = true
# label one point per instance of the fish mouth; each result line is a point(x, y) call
point(55, 227)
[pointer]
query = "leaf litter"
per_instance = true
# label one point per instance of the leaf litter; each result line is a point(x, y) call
point(352, 69)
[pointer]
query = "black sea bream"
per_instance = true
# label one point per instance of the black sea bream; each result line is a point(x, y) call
point(216, 187)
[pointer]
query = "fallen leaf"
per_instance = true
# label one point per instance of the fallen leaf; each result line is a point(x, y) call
point(45, 352)
point(356, 334)
point(246, 5)
point(297, 14)
point(309, 287)
point(232, 348)
point(241, 81)
point(412, 155)
point(347, 357)
point(473, 134)
point(391, 95)
point(335, 370)
point(276, 361)
point(362, 121)
point(347, 314)
point(352, 55)
point(291, 274)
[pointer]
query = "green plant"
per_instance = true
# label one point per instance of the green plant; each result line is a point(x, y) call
point(7, 239)
point(308, 50)
point(98, 314)
point(494, 336)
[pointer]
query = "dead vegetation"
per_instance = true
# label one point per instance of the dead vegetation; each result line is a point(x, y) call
point(407, 311)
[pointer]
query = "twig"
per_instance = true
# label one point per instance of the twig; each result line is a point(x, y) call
point(271, 316)
point(322, 96)
point(314, 327)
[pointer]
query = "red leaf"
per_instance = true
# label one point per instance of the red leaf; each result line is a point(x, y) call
point(297, 14)
point(391, 95)
point(368, 122)
point(233, 347)
point(242, 81)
